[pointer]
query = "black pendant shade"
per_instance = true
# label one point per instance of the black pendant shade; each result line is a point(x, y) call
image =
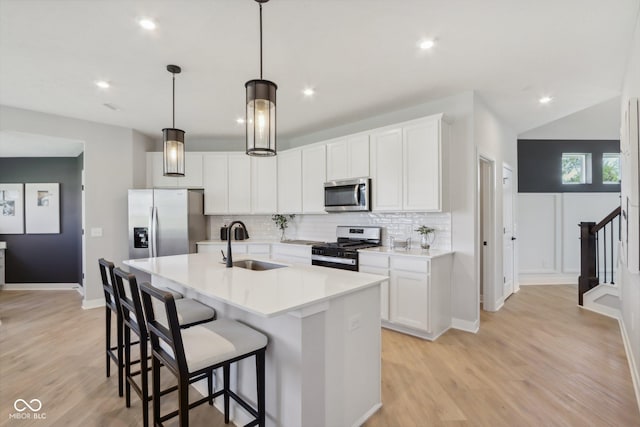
point(261, 111)
point(173, 147)
point(173, 152)
point(261, 117)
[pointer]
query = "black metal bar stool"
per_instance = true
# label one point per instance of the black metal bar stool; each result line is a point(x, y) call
point(112, 306)
point(128, 295)
point(194, 353)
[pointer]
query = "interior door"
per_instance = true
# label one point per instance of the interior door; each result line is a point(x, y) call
point(507, 237)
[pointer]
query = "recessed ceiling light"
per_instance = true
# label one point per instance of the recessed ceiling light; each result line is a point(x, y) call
point(240, 121)
point(308, 91)
point(103, 84)
point(545, 100)
point(147, 24)
point(427, 44)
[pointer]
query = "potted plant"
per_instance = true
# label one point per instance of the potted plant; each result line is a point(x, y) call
point(282, 222)
point(427, 234)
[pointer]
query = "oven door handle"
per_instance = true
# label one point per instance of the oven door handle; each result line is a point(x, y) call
point(346, 261)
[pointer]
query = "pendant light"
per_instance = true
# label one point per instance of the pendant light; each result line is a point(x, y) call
point(261, 111)
point(173, 138)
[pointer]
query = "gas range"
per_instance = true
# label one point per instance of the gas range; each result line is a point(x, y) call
point(343, 254)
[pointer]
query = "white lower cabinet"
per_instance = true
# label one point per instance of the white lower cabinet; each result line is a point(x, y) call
point(417, 297)
point(295, 254)
point(377, 264)
point(237, 247)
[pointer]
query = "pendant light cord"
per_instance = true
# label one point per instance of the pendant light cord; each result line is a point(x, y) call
point(260, 41)
point(174, 100)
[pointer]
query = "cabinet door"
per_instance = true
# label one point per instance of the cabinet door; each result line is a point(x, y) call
point(239, 183)
point(338, 160)
point(216, 184)
point(155, 177)
point(264, 187)
point(386, 170)
point(192, 171)
point(290, 182)
point(409, 299)
point(358, 154)
point(421, 172)
point(313, 179)
point(384, 289)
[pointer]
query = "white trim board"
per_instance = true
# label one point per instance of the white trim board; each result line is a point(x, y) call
point(466, 325)
point(40, 286)
point(92, 303)
point(635, 375)
point(547, 279)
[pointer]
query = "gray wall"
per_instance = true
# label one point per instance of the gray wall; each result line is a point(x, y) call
point(539, 165)
point(47, 258)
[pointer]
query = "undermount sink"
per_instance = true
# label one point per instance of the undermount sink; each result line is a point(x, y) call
point(255, 265)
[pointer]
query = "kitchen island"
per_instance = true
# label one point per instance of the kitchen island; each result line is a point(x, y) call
point(323, 358)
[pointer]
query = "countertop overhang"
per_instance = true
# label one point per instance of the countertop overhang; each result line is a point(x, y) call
point(265, 293)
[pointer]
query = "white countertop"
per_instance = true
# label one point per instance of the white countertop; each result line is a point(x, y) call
point(233, 242)
point(419, 252)
point(265, 293)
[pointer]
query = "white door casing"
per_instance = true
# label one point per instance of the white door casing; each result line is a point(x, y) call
point(507, 231)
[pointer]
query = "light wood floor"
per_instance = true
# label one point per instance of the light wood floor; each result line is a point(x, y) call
point(531, 364)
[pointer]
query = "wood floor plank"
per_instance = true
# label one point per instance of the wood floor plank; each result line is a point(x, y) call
point(531, 364)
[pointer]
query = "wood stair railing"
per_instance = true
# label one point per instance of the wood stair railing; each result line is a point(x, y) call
point(596, 249)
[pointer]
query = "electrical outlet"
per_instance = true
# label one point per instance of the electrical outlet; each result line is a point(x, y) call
point(354, 322)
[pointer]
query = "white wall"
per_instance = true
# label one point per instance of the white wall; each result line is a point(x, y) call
point(601, 121)
point(549, 235)
point(630, 284)
point(109, 154)
point(497, 142)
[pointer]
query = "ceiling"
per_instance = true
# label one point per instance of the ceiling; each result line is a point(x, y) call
point(19, 144)
point(361, 56)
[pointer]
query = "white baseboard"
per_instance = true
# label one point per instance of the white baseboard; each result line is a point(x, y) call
point(367, 415)
point(88, 304)
point(633, 366)
point(547, 279)
point(40, 286)
point(466, 325)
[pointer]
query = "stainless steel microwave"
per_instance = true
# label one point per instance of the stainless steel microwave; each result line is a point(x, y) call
point(347, 195)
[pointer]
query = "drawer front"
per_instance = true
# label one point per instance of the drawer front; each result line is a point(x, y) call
point(418, 265)
point(373, 260)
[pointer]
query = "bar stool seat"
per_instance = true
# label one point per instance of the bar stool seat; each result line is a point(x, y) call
point(191, 312)
point(214, 342)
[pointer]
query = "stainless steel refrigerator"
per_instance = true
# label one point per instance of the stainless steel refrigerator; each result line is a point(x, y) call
point(165, 222)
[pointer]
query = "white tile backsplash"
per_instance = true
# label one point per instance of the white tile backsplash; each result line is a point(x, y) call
point(323, 227)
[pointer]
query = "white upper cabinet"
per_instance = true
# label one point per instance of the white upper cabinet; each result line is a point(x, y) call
point(264, 186)
point(421, 166)
point(216, 184)
point(193, 176)
point(348, 158)
point(239, 183)
point(290, 181)
point(386, 170)
point(313, 179)
point(408, 166)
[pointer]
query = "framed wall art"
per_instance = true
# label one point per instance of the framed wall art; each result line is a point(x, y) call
point(42, 208)
point(11, 209)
